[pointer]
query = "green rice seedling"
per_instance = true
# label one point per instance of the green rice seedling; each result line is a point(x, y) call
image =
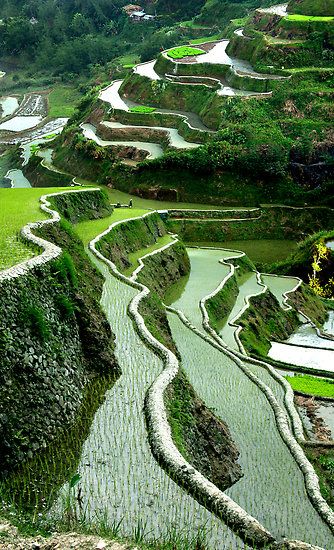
point(18, 207)
point(142, 109)
point(140, 532)
point(218, 381)
point(313, 385)
point(184, 51)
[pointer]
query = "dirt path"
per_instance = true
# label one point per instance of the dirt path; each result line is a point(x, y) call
point(11, 540)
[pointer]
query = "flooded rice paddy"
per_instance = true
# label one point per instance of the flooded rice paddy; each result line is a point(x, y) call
point(175, 139)
point(272, 489)
point(120, 480)
point(20, 123)
point(153, 149)
point(8, 105)
point(17, 179)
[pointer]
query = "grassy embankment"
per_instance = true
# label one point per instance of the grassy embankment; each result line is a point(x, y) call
point(63, 100)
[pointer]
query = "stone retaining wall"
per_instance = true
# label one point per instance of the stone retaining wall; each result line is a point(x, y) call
point(43, 365)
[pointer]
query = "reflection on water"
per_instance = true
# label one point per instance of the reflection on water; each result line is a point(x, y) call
point(313, 358)
point(20, 123)
point(8, 106)
point(17, 179)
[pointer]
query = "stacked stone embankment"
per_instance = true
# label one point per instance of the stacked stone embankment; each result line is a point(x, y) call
point(44, 360)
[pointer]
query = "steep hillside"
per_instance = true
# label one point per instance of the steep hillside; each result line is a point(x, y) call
point(312, 7)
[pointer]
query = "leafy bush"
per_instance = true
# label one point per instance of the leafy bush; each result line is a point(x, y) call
point(65, 306)
point(34, 318)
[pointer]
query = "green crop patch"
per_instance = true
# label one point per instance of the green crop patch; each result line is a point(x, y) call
point(142, 109)
point(63, 101)
point(312, 385)
point(307, 18)
point(184, 51)
point(18, 207)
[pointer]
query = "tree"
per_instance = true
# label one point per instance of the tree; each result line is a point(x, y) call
point(80, 25)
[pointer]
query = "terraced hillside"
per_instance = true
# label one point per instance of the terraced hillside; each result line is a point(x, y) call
point(166, 325)
point(255, 109)
point(238, 516)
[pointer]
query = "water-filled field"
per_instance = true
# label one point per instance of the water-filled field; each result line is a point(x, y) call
point(120, 480)
point(272, 488)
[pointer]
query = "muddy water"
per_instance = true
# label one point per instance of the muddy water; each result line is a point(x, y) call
point(318, 353)
point(313, 358)
point(17, 179)
point(306, 335)
point(20, 123)
point(111, 95)
point(147, 69)
point(279, 9)
point(326, 412)
point(45, 138)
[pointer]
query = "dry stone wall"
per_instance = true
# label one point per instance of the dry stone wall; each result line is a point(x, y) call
point(42, 367)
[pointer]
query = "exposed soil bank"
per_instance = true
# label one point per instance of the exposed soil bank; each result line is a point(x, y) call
point(305, 300)
point(310, 407)
point(203, 439)
point(12, 540)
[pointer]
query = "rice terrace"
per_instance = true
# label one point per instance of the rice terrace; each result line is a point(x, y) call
point(166, 275)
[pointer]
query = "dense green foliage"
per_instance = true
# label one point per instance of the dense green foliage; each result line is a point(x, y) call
point(323, 462)
point(300, 261)
point(311, 7)
point(222, 11)
point(265, 321)
point(71, 36)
